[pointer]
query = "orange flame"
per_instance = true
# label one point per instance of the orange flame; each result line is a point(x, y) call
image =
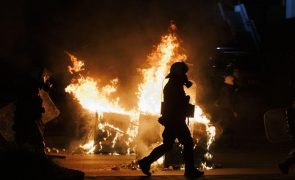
point(150, 91)
point(93, 98)
point(77, 65)
point(97, 99)
point(89, 147)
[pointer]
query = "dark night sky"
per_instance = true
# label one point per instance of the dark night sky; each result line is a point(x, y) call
point(106, 34)
point(114, 38)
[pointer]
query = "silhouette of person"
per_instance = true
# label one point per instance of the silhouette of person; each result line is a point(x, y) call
point(28, 125)
point(227, 108)
point(174, 113)
point(290, 160)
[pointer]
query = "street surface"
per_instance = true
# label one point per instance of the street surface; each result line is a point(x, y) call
point(246, 162)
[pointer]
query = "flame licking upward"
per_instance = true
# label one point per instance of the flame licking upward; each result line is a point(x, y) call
point(89, 94)
point(166, 53)
point(150, 91)
point(90, 146)
point(78, 65)
point(95, 98)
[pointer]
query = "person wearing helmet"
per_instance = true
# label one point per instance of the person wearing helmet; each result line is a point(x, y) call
point(173, 119)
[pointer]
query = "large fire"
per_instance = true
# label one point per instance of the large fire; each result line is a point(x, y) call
point(166, 53)
point(89, 94)
point(96, 98)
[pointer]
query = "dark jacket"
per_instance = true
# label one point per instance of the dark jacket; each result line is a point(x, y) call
point(175, 101)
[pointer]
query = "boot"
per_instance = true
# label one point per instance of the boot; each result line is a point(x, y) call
point(145, 166)
point(193, 173)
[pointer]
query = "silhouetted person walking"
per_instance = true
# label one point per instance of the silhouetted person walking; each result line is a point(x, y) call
point(174, 113)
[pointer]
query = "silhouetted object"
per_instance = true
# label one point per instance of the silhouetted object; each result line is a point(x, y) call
point(28, 125)
point(173, 118)
point(27, 159)
point(290, 160)
point(227, 110)
point(20, 163)
point(242, 26)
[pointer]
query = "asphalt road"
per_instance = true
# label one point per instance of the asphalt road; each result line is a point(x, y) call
point(245, 162)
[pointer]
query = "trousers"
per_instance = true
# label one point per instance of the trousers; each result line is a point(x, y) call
point(170, 134)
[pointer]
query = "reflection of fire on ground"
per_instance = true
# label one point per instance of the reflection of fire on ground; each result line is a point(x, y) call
point(118, 131)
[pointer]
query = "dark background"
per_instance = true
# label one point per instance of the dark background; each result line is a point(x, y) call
point(114, 38)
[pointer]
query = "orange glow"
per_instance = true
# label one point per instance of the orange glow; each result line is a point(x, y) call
point(89, 147)
point(150, 91)
point(77, 65)
point(96, 98)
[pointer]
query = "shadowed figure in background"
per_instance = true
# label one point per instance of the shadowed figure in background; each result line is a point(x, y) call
point(227, 105)
point(28, 158)
point(290, 160)
point(28, 125)
point(173, 119)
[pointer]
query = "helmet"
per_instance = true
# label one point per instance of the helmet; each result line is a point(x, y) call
point(178, 69)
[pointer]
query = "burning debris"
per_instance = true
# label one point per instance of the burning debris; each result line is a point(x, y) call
point(110, 135)
point(118, 131)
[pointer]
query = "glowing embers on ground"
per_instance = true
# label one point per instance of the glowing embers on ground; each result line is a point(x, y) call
point(109, 137)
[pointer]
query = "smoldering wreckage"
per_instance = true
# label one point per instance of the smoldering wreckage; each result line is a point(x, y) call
point(116, 131)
